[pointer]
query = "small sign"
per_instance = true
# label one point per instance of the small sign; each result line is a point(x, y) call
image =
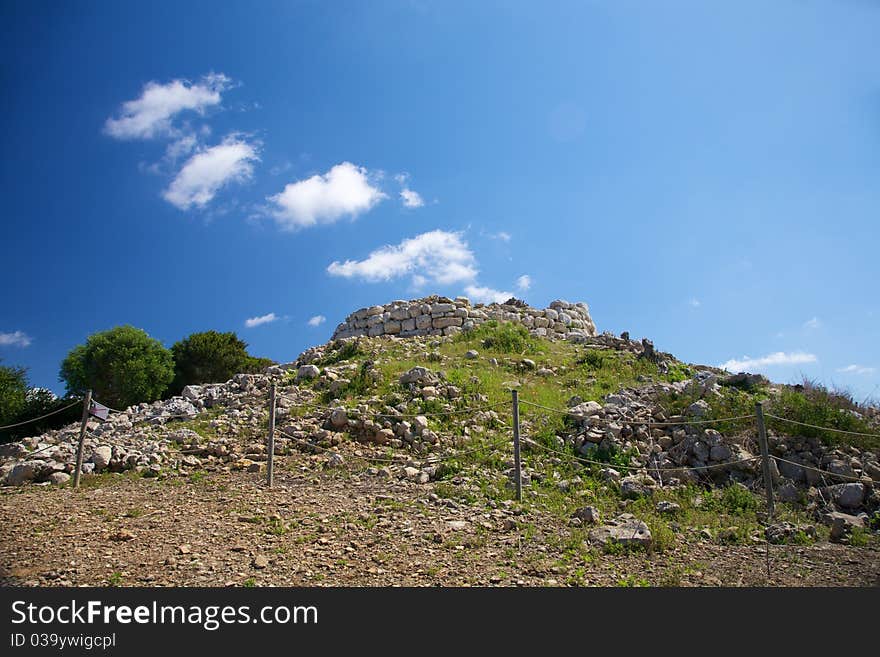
point(99, 410)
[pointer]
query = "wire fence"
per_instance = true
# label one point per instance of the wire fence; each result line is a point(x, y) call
point(492, 450)
point(652, 464)
point(42, 417)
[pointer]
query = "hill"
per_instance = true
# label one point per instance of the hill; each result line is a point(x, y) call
point(636, 467)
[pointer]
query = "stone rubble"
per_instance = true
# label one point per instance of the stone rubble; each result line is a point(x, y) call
point(663, 450)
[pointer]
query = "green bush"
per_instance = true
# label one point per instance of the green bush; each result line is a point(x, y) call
point(339, 352)
point(503, 337)
point(814, 404)
point(211, 357)
point(21, 403)
point(13, 388)
point(122, 366)
point(734, 500)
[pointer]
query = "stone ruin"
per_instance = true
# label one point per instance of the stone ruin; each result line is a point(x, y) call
point(437, 315)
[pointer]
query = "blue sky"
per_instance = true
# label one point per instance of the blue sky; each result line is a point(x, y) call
point(701, 174)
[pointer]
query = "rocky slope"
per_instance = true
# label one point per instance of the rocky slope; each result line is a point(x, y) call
point(604, 418)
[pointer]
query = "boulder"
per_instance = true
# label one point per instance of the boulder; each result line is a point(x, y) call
point(842, 525)
point(415, 375)
point(849, 496)
point(699, 408)
point(667, 508)
point(338, 418)
point(59, 478)
point(307, 372)
point(587, 514)
point(101, 457)
point(23, 472)
point(634, 487)
point(624, 530)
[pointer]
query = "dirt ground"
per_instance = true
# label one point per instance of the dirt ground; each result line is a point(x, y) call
point(320, 527)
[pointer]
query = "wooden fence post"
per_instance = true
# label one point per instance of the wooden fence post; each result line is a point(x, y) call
point(517, 461)
point(87, 402)
point(270, 464)
point(765, 458)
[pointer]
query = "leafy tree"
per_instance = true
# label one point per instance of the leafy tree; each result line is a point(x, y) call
point(211, 357)
point(122, 366)
point(21, 404)
point(13, 390)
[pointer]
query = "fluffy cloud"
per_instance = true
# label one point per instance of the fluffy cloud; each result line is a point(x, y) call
point(151, 114)
point(262, 319)
point(524, 282)
point(206, 172)
point(438, 255)
point(812, 323)
point(317, 320)
point(411, 199)
point(778, 358)
point(501, 235)
point(856, 369)
point(15, 339)
point(345, 190)
point(486, 294)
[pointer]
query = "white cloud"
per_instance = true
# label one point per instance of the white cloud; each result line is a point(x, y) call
point(524, 282)
point(181, 147)
point(15, 339)
point(262, 319)
point(411, 199)
point(856, 369)
point(151, 114)
point(694, 303)
point(778, 358)
point(486, 294)
point(812, 323)
point(501, 235)
point(317, 320)
point(323, 199)
point(437, 255)
point(206, 172)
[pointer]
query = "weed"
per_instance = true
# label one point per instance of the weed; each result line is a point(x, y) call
point(501, 337)
point(632, 581)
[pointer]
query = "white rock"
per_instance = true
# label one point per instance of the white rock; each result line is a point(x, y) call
point(101, 457)
point(307, 372)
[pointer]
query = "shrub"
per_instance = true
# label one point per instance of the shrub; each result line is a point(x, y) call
point(506, 337)
point(340, 351)
point(734, 500)
point(122, 366)
point(13, 388)
point(814, 404)
point(211, 357)
point(20, 403)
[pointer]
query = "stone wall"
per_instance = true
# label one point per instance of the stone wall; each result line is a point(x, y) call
point(443, 316)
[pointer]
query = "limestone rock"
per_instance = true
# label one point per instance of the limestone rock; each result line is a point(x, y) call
point(624, 530)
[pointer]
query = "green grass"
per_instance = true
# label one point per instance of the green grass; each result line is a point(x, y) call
point(816, 405)
point(341, 351)
point(500, 337)
point(633, 581)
